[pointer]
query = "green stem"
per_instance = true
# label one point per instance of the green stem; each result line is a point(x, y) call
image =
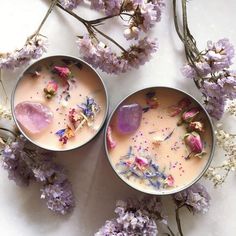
point(90, 27)
point(7, 130)
point(3, 87)
point(109, 38)
point(177, 217)
point(171, 232)
point(52, 5)
point(176, 21)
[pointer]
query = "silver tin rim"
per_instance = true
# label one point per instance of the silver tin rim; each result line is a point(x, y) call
point(69, 57)
point(210, 156)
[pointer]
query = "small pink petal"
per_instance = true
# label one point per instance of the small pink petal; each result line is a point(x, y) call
point(110, 142)
point(170, 180)
point(141, 161)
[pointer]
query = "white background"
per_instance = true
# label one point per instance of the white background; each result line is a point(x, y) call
point(95, 185)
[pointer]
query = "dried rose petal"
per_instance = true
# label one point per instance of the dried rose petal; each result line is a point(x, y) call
point(170, 181)
point(110, 142)
point(141, 161)
point(194, 142)
point(63, 72)
point(51, 89)
point(177, 109)
point(184, 103)
point(189, 115)
point(196, 126)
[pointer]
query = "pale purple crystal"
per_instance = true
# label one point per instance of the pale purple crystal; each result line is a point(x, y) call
point(33, 116)
point(129, 118)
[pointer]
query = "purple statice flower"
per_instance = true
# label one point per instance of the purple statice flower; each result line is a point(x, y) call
point(146, 14)
point(215, 58)
point(18, 170)
point(219, 55)
point(25, 162)
point(111, 7)
point(33, 49)
point(135, 218)
point(216, 93)
point(203, 69)
point(101, 56)
point(195, 198)
point(59, 197)
point(69, 4)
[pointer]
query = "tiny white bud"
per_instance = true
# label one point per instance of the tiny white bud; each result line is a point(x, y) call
point(64, 103)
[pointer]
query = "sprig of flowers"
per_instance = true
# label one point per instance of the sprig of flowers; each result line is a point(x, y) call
point(25, 163)
point(34, 47)
point(135, 217)
point(146, 216)
point(209, 68)
point(226, 141)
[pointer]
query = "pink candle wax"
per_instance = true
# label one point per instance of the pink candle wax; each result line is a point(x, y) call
point(168, 149)
point(60, 103)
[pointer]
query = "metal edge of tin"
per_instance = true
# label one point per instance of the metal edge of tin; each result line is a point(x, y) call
point(206, 165)
point(81, 61)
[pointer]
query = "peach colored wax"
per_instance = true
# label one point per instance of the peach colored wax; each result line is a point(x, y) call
point(44, 83)
point(158, 144)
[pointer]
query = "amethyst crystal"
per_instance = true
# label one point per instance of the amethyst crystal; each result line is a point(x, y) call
point(129, 118)
point(33, 116)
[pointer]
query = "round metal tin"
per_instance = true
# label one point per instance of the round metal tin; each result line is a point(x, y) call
point(173, 191)
point(79, 61)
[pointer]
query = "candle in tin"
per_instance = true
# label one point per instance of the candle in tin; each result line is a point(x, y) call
point(60, 103)
point(159, 140)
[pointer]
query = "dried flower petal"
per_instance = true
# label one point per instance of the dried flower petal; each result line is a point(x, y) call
point(110, 142)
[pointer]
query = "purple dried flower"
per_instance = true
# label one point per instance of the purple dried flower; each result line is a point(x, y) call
point(33, 49)
point(219, 55)
point(218, 92)
point(195, 198)
point(216, 57)
point(146, 14)
point(69, 4)
point(25, 162)
point(101, 56)
point(59, 197)
point(135, 218)
point(111, 7)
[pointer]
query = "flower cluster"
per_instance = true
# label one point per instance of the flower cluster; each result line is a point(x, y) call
point(102, 56)
point(226, 141)
point(211, 71)
point(70, 4)
point(33, 49)
point(195, 198)
point(5, 113)
point(145, 15)
point(26, 163)
point(137, 218)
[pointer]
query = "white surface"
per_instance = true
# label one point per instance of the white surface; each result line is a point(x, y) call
point(95, 185)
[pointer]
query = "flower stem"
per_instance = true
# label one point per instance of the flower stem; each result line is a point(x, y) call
point(7, 130)
point(177, 217)
point(171, 232)
point(3, 87)
point(90, 26)
point(176, 21)
point(52, 5)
